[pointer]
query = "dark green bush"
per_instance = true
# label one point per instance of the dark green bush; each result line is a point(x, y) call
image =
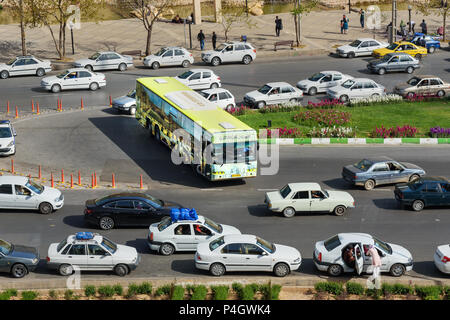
point(354, 288)
point(4, 296)
point(330, 287)
point(132, 290)
point(199, 293)
point(53, 294)
point(248, 293)
point(145, 288)
point(68, 294)
point(220, 292)
point(164, 290)
point(239, 289)
point(374, 293)
point(387, 289)
point(89, 290)
point(269, 291)
point(106, 291)
point(118, 289)
point(402, 289)
point(429, 292)
point(177, 293)
point(11, 292)
point(29, 295)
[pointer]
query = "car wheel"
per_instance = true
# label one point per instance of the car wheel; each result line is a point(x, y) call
point(229, 107)
point(409, 70)
point(281, 269)
point(375, 96)
point(106, 223)
point(132, 110)
point(431, 50)
point(122, 67)
point(89, 67)
point(56, 88)
point(312, 91)
point(65, 269)
point(121, 270)
point(414, 177)
point(4, 74)
point(215, 61)
point(335, 270)
point(166, 249)
point(381, 71)
point(45, 208)
point(261, 104)
point(185, 64)
point(293, 100)
point(369, 184)
point(343, 98)
point(289, 212)
point(418, 56)
point(247, 59)
point(440, 93)
point(155, 65)
point(410, 95)
point(93, 86)
point(19, 271)
point(397, 270)
point(418, 205)
point(340, 210)
point(40, 72)
point(351, 55)
point(214, 85)
point(217, 269)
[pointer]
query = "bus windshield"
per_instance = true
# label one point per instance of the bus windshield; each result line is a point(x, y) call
point(238, 152)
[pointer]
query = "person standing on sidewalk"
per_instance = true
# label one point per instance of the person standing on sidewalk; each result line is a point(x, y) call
point(344, 23)
point(424, 27)
point(376, 264)
point(201, 38)
point(278, 26)
point(214, 40)
point(361, 17)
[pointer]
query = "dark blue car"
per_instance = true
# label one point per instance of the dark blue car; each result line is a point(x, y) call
point(427, 41)
point(424, 192)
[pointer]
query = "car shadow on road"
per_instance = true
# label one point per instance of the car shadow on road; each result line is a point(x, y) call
point(77, 221)
point(140, 245)
point(364, 71)
point(428, 269)
point(387, 204)
point(260, 211)
point(339, 184)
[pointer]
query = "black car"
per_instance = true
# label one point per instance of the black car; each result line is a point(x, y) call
point(17, 260)
point(424, 191)
point(127, 209)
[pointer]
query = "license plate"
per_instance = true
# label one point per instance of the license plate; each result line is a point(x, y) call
point(235, 175)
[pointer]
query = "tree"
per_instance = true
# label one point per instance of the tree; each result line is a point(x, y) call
point(23, 10)
point(148, 12)
point(301, 8)
point(437, 7)
point(233, 17)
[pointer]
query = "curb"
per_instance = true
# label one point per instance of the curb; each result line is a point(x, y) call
point(354, 141)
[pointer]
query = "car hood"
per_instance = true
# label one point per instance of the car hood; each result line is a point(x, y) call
point(411, 166)
point(226, 229)
point(382, 51)
point(150, 57)
point(347, 48)
point(123, 100)
point(340, 195)
point(306, 83)
point(274, 196)
point(375, 62)
point(399, 250)
point(209, 52)
point(25, 252)
point(50, 79)
point(84, 62)
point(5, 141)
point(255, 94)
point(3, 66)
point(286, 252)
point(402, 86)
point(51, 193)
point(125, 252)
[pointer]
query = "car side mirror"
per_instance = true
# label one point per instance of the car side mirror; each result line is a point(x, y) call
point(264, 253)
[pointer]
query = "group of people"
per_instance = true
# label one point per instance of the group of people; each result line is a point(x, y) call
point(350, 259)
point(201, 38)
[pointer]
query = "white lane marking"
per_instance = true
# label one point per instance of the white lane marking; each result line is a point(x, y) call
point(437, 220)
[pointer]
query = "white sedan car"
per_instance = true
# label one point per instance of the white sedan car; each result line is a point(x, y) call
point(308, 197)
point(221, 97)
point(246, 253)
point(320, 82)
point(272, 94)
point(200, 79)
point(230, 52)
point(105, 61)
point(7, 138)
point(442, 258)
point(184, 235)
point(25, 65)
point(360, 47)
point(169, 56)
point(356, 88)
point(23, 193)
point(332, 255)
point(91, 252)
point(78, 78)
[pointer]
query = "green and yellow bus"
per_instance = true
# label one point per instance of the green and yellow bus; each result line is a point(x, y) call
point(218, 145)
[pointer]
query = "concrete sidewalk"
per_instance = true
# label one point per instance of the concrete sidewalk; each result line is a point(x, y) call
point(320, 30)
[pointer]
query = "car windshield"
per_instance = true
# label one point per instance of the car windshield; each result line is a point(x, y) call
point(165, 222)
point(37, 188)
point(63, 74)
point(266, 245)
point(285, 191)
point(185, 75)
point(363, 165)
point(10, 62)
point(94, 56)
point(132, 93)
point(265, 89)
point(61, 245)
point(204, 94)
point(213, 245)
point(5, 247)
point(415, 184)
point(5, 132)
point(316, 77)
point(347, 84)
point(413, 81)
point(212, 225)
point(392, 46)
point(386, 58)
point(355, 43)
point(160, 52)
point(382, 245)
point(156, 202)
point(108, 244)
point(221, 47)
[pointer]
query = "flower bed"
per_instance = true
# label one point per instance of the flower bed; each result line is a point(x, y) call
point(286, 133)
point(438, 132)
point(238, 111)
point(389, 98)
point(405, 131)
point(324, 104)
point(331, 132)
point(323, 117)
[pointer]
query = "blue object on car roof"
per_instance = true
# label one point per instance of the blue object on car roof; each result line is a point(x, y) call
point(84, 235)
point(5, 121)
point(177, 214)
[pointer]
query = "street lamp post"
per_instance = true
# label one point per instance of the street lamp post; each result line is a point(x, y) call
point(246, 7)
point(189, 20)
point(409, 13)
point(71, 26)
point(349, 7)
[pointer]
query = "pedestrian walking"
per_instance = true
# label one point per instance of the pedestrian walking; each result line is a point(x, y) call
point(214, 40)
point(344, 24)
point(278, 26)
point(413, 24)
point(376, 264)
point(201, 38)
point(403, 29)
point(362, 15)
point(423, 25)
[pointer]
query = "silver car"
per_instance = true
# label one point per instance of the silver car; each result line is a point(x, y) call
point(169, 56)
point(272, 94)
point(329, 255)
point(356, 88)
point(184, 235)
point(126, 103)
point(107, 60)
point(200, 79)
point(360, 47)
point(25, 65)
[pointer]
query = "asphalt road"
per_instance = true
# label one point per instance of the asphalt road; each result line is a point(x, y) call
point(239, 79)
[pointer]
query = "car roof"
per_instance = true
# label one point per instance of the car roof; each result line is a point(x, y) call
point(78, 69)
point(216, 90)
point(424, 76)
point(201, 70)
point(330, 71)
point(200, 219)
point(369, 39)
point(397, 53)
point(276, 84)
point(103, 52)
point(353, 237)
point(5, 123)
point(96, 239)
point(433, 179)
point(248, 238)
point(363, 79)
point(27, 56)
point(125, 195)
point(298, 186)
point(13, 180)
point(379, 159)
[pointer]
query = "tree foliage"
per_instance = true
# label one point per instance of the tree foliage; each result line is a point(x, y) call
point(435, 7)
point(234, 17)
point(301, 8)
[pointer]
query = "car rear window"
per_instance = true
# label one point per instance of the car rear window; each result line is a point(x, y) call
point(61, 245)
point(363, 165)
point(332, 243)
point(165, 222)
point(213, 245)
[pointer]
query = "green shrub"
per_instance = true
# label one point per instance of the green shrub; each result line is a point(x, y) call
point(220, 292)
point(354, 288)
point(29, 295)
point(269, 291)
point(4, 296)
point(89, 291)
point(248, 293)
point(429, 292)
point(330, 287)
point(11, 292)
point(53, 294)
point(446, 291)
point(132, 290)
point(387, 289)
point(68, 294)
point(374, 293)
point(106, 291)
point(199, 293)
point(118, 289)
point(239, 289)
point(163, 290)
point(402, 289)
point(177, 293)
point(145, 288)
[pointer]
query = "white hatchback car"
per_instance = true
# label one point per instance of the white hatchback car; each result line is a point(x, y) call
point(230, 52)
point(360, 47)
point(199, 79)
point(442, 258)
point(356, 88)
point(329, 255)
point(7, 138)
point(273, 93)
point(246, 253)
point(184, 235)
point(105, 61)
point(78, 78)
point(18, 192)
point(25, 65)
point(219, 96)
point(322, 81)
point(169, 56)
point(88, 251)
point(308, 197)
